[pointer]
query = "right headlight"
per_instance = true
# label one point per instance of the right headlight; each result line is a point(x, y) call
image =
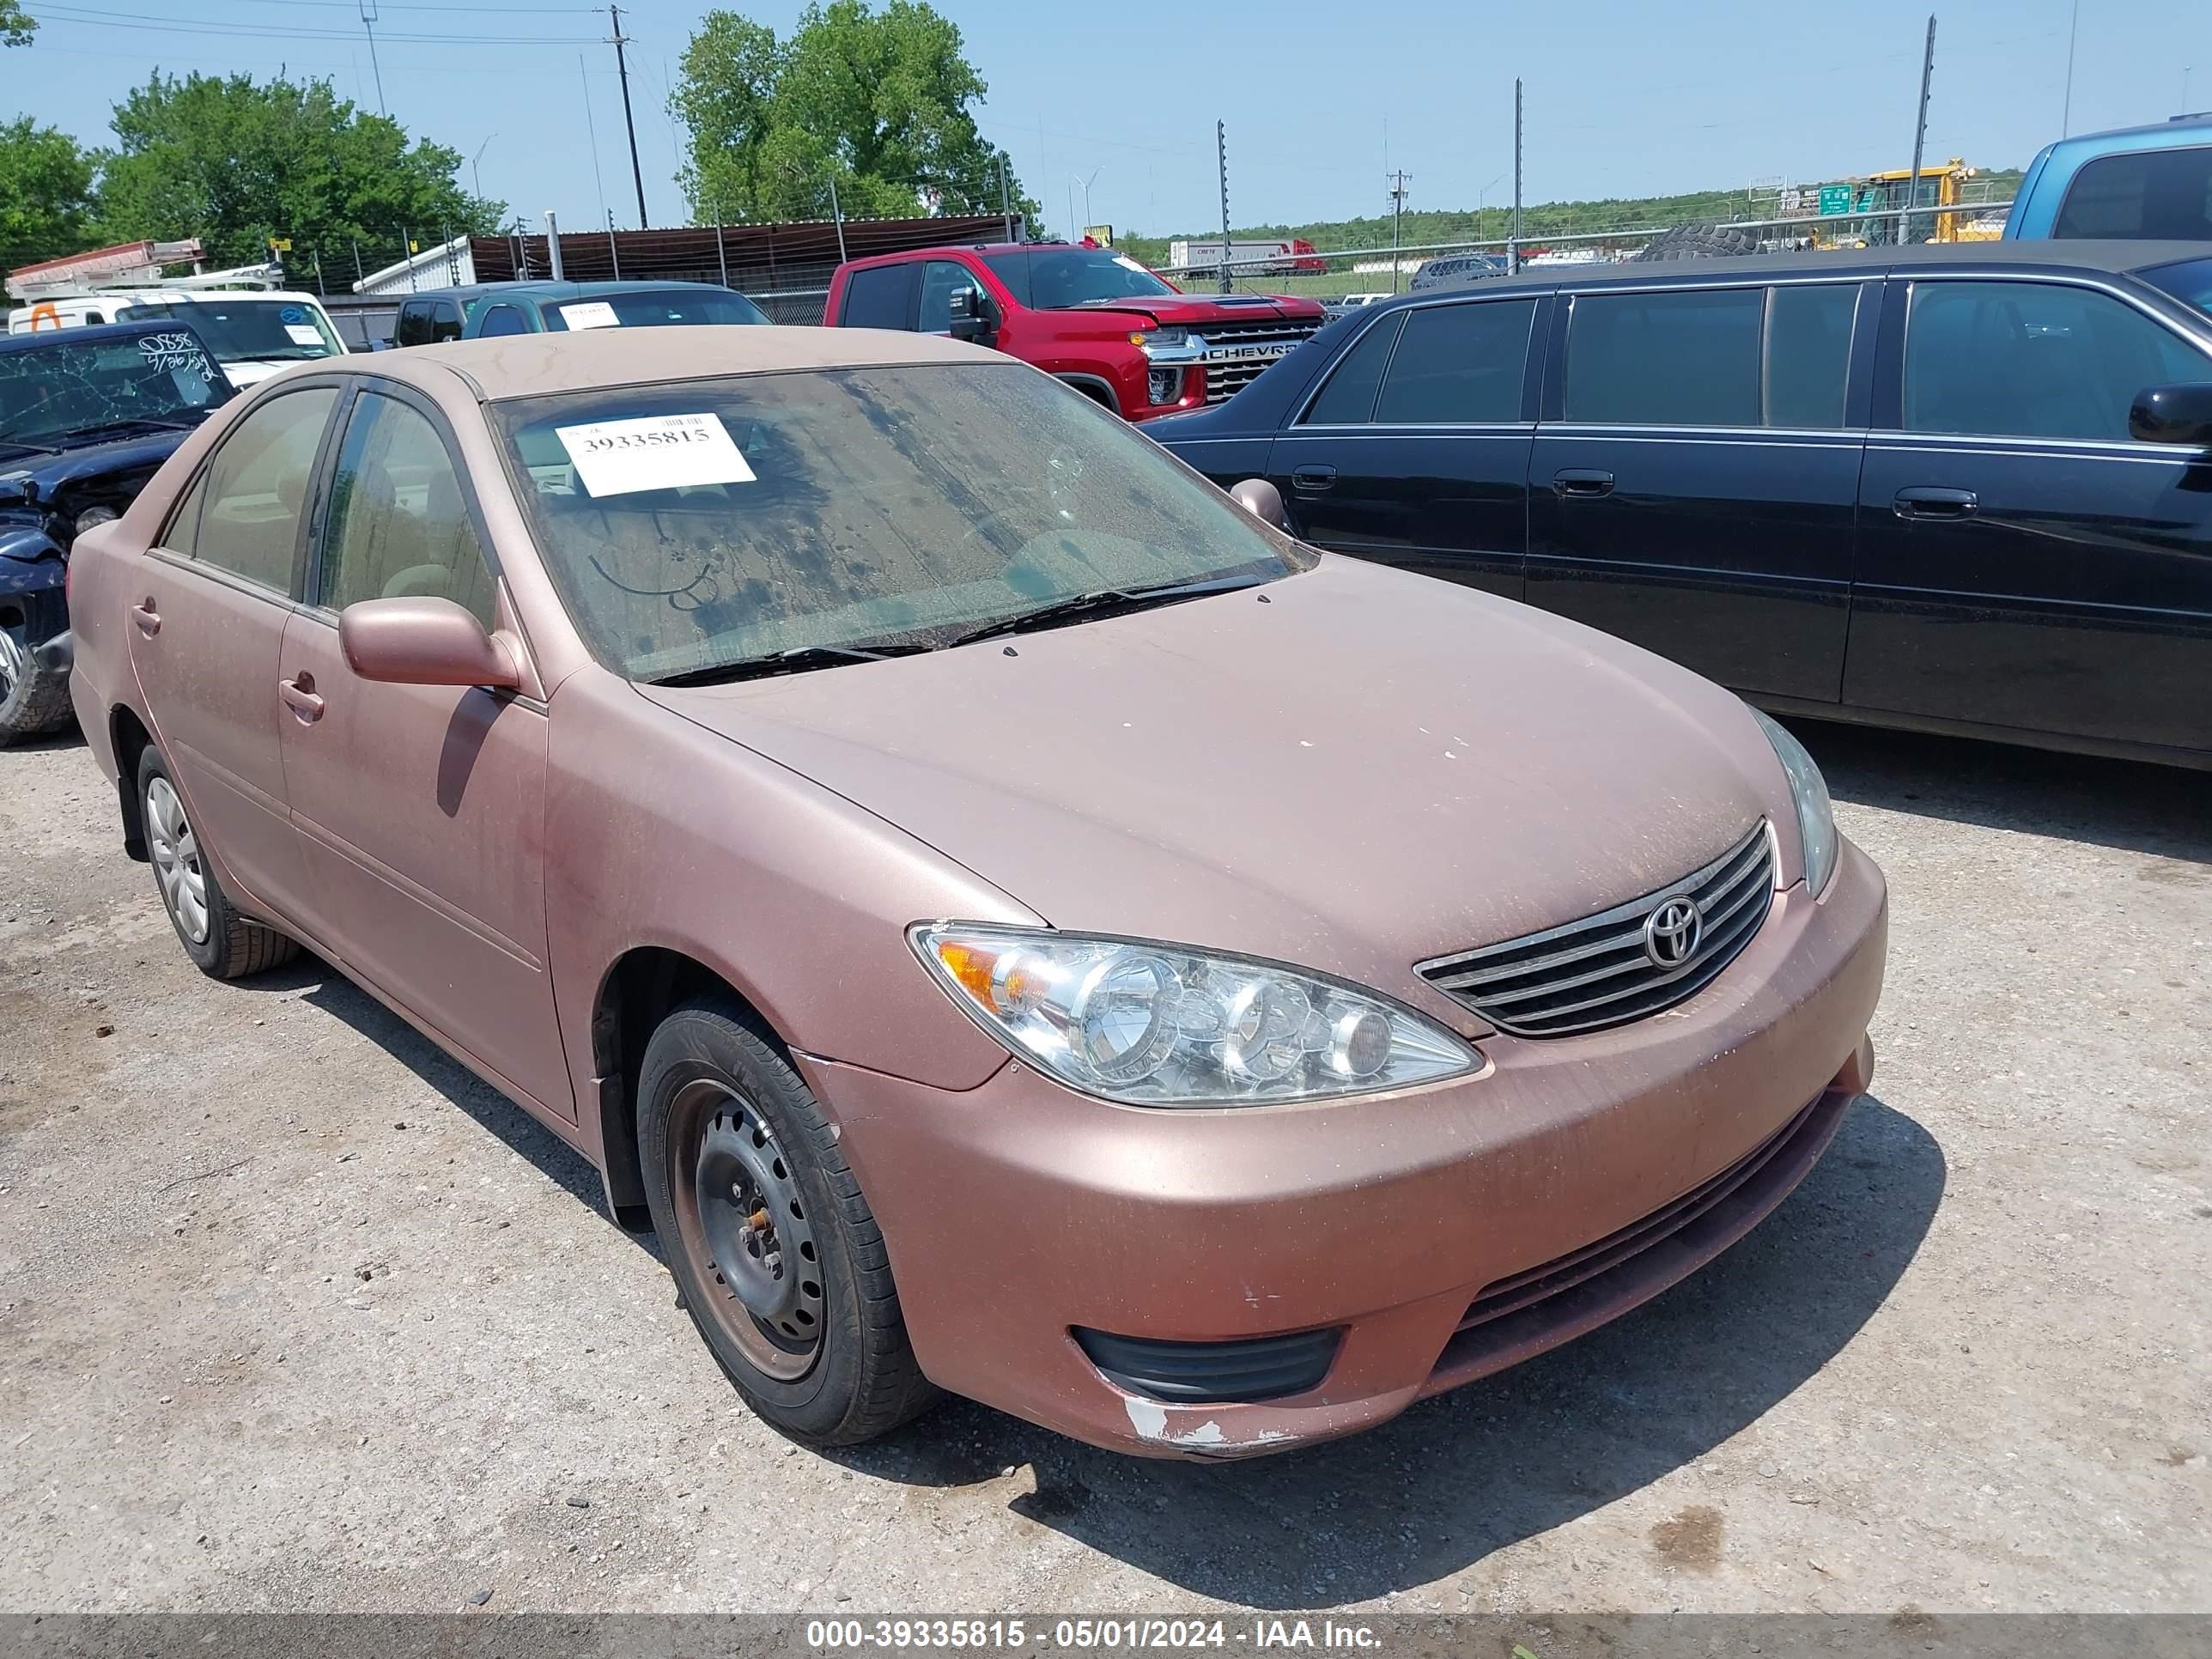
point(1151, 1024)
point(1816, 815)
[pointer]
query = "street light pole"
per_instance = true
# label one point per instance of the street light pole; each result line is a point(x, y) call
point(475, 172)
point(1075, 179)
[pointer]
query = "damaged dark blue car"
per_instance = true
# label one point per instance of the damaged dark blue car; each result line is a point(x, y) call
point(87, 417)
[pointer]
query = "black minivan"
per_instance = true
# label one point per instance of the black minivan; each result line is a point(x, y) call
point(1962, 489)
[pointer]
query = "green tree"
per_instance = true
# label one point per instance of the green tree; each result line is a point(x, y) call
point(46, 192)
point(16, 26)
point(879, 102)
point(235, 162)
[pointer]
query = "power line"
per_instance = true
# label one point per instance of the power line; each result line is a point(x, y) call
point(99, 18)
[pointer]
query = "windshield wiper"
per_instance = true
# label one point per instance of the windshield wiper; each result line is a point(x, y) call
point(797, 660)
point(1106, 599)
point(99, 427)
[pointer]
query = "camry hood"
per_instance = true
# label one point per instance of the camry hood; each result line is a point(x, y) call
point(1351, 769)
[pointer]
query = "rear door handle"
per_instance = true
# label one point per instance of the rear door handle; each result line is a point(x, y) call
point(299, 697)
point(1312, 478)
point(148, 618)
point(1930, 502)
point(1582, 480)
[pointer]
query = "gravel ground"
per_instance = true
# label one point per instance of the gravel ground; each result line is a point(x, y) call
point(296, 1315)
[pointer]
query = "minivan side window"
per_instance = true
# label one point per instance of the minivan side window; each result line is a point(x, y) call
point(2155, 195)
point(399, 526)
point(877, 297)
point(1458, 363)
point(1806, 363)
point(1681, 357)
point(2032, 360)
point(257, 487)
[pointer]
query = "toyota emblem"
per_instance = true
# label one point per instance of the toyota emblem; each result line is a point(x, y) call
point(1672, 932)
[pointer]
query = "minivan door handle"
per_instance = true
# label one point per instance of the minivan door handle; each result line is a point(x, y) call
point(1582, 480)
point(1312, 478)
point(1931, 502)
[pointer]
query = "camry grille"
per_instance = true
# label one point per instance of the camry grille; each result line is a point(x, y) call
point(1622, 964)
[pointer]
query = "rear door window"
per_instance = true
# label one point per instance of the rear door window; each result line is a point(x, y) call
point(256, 489)
point(880, 297)
point(414, 327)
point(1458, 364)
point(2034, 359)
point(1684, 357)
point(1349, 397)
point(2154, 195)
point(1806, 359)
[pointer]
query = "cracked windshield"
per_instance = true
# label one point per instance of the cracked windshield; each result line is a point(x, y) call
point(72, 391)
point(725, 521)
point(245, 331)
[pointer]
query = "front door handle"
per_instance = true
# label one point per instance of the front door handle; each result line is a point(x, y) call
point(148, 618)
point(1312, 478)
point(299, 697)
point(1929, 501)
point(1582, 480)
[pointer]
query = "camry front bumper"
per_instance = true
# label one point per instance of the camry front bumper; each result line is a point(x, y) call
point(1432, 1237)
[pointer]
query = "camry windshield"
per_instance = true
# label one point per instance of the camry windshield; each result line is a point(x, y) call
point(246, 331)
point(663, 309)
point(81, 389)
point(834, 513)
point(1056, 279)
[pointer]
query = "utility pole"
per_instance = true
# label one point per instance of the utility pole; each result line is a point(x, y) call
point(1397, 213)
point(1005, 211)
point(621, 69)
point(1221, 161)
point(1919, 138)
point(368, 23)
point(1513, 247)
point(837, 217)
point(2066, 111)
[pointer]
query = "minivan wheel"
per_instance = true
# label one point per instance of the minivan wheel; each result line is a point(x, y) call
point(221, 943)
point(778, 1257)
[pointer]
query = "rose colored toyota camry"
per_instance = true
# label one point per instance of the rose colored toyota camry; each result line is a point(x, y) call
point(1012, 920)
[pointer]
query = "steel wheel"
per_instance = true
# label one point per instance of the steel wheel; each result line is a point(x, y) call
point(741, 1210)
point(176, 856)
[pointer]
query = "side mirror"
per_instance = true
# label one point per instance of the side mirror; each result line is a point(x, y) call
point(423, 641)
point(1263, 500)
point(975, 318)
point(2174, 414)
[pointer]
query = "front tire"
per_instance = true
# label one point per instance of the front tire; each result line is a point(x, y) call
point(222, 944)
point(33, 701)
point(779, 1259)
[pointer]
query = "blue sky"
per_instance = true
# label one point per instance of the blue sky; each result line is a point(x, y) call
point(1622, 99)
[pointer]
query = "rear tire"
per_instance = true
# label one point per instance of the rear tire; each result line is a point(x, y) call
point(33, 701)
point(222, 944)
point(779, 1259)
point(1697, 242)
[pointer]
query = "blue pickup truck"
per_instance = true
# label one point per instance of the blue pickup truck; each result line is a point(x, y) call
point(2139, 183)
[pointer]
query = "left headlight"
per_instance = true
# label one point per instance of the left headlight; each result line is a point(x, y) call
point(1816, 815)
point(1164, 1025)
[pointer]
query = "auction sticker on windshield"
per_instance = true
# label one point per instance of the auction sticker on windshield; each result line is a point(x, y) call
point(302, 334)
point(659, 452)
point(594, 313)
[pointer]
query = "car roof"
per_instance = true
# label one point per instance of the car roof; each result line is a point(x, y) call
point(2055, 255)
point(91, 334)
point(526, 365)
point(548, 289)
point(2180, 131)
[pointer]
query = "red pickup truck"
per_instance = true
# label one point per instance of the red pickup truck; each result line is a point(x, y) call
point(1096, 318)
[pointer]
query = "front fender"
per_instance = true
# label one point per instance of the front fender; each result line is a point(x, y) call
point(30, 561)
